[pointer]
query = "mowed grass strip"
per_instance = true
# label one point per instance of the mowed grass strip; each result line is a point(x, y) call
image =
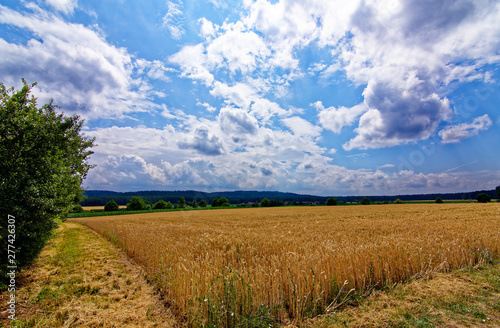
point(272, 266)
point(81, 280)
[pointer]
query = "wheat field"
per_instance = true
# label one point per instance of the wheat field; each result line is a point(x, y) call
point(264, 267)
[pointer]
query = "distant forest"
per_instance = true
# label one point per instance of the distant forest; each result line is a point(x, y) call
point(101, 197)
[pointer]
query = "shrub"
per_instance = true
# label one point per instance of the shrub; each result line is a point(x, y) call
point(265, 203)
point(43, 163)
point(161, 205)
point(136, 204)
point(215, 202)
point(483, 198)
point(202, 203)
point(439, 200)
point(223, 202)
point(398, 201)
point(332, 201)
point(365, 201)
point(77, 208)
point(111, 206)
point(182, 202)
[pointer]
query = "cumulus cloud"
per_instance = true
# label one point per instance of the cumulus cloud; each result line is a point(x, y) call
point(334, 119)
point(237, 121)
point(203, 142)
point(302, 127)
point(74, 65)
point(456, 133)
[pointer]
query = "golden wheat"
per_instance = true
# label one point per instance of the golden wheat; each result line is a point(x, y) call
point(224, 266)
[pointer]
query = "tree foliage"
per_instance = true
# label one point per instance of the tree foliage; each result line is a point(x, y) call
point(439, 200)
point(136, 204)
point(202, 203)
point(483, 198)
point(223, 202)
point(265, 203)
point(365, 201)
point(111, 206)
point(215, 202)
point(43, 161)
point(332, 201)
point(161, 205)
point(182, 202)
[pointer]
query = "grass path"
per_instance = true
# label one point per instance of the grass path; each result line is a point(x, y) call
point(82, 280)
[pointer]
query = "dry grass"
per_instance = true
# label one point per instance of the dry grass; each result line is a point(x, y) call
point(88, 208)
point(81, 280)
point(463, 298)
point(280, 265)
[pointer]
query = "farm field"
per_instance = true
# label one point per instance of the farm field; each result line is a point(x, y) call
point(272, 266)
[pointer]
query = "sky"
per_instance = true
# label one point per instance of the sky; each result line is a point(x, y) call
point(323, 97)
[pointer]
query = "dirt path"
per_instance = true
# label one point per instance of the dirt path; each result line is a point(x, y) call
point(82, 280)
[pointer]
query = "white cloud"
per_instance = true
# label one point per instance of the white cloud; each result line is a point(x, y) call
point(74, 65)
point(192, 60)
point(301, 127)
point(174, 19)
point(66, 6)
point(334, 119)
point(456, 133)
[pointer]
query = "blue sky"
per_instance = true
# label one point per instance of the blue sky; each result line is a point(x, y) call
point(322, 97)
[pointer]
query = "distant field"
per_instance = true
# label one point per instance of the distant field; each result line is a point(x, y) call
point(88, 208)
point(274, 265)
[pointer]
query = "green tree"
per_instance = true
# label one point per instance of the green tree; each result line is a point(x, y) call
point(439, 200)
point(161, 205)
point(43, 161)
point(182, 202)
point(76, 208)
point(194, 204)
point(365, 201)
point(215, 202)
point(111, 206)
point(223, 202)
point(136, 204)
point(483, 198)
point(202, 203)
point(498, 193)
point(265, 203)
point(332, 201)
point(398, 201)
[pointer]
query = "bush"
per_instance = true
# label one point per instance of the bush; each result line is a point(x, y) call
point(223, 202)
point(182, 202)
point(215, 202)
point(111, 206)
point(265, 203)
point(136, 204)
point(43, 163)
point(398, 201)
point(332, 201)
point(439, 200)
point(77, 209)
point(162, 205)
point(202, 203)
point(365, 201)
point(483, 198)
